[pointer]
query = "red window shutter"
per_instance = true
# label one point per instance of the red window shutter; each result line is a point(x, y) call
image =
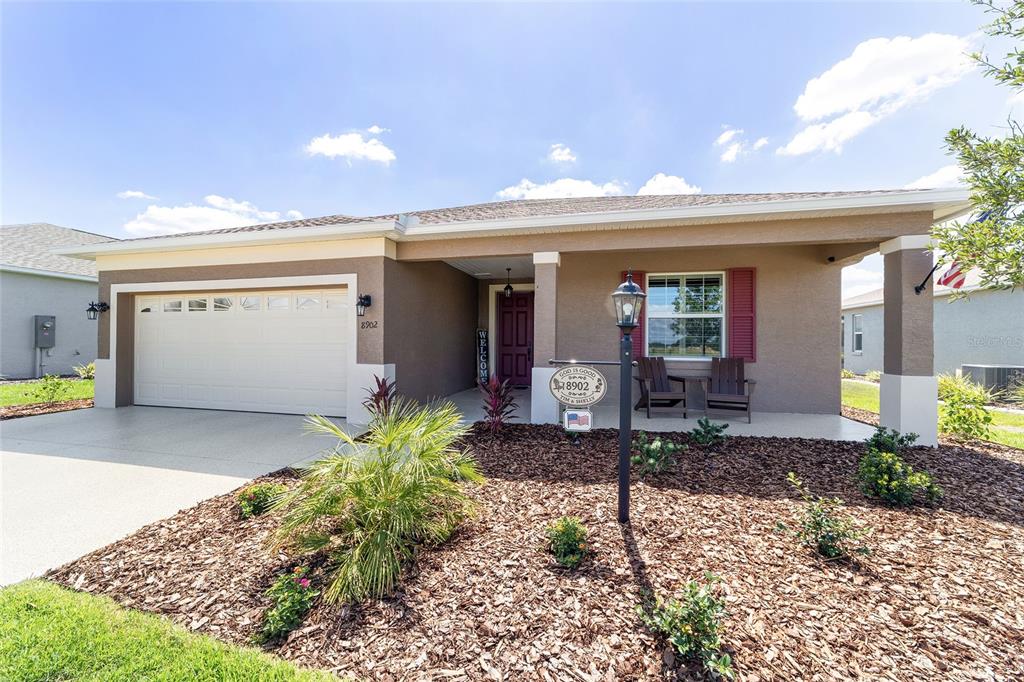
point(640, 279)
point(741, 310)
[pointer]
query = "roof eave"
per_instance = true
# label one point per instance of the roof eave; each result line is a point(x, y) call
point(48, 273)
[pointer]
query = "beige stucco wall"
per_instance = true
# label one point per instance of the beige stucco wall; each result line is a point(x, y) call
point(798, 303)
point(430, 323)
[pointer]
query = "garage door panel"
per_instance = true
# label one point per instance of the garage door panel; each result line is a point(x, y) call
point(291, 360)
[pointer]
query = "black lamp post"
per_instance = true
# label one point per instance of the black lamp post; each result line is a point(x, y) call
point(629, 301)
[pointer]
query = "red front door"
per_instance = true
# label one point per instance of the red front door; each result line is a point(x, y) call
point(515, 338)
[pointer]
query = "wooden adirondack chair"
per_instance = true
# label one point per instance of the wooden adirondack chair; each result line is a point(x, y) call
point(727, 391)
point(657, 393)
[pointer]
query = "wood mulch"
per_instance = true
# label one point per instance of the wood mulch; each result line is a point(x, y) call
point(15, 411)
point(941, 597)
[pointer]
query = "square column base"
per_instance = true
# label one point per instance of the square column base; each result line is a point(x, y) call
point(910, 404)
point(544, 409)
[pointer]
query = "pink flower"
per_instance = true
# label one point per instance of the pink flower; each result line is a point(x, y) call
point(304, 583)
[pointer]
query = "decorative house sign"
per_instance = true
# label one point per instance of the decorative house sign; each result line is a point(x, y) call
point(578, 386)
point(482, 362)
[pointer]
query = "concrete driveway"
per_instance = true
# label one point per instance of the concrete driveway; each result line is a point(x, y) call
point(72, 482)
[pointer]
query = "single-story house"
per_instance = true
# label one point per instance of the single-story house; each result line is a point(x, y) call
point(298, 316)
point(984, 328)
point(36, 285)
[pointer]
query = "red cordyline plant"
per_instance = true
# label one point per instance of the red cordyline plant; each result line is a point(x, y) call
point(379, 400)
point(499, 404)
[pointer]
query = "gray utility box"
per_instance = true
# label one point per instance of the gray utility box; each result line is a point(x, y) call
point(46, 331)
point(995, 377)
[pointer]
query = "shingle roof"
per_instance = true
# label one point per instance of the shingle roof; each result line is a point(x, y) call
point(28, 246)
point(531, 208)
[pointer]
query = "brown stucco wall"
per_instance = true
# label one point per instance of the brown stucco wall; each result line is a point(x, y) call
point(798, 304)
point(430, 322)
point(908, 318)
point(370, 278)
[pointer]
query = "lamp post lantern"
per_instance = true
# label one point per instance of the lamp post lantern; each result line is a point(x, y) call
point(629, 302)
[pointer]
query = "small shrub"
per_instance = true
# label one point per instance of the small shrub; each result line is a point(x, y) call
point(873, 375)
point(654, 456)
point(823, 525)
point(1014, 391)
point(567, 540)
point(708, 433)
point(372, 503)
point(499, 404)
point(87, 371)
point(292, 595)
point(258, 498)
point(846, 373)
point(887, 476)
point(380, 399)
point(963, 412)
point(692, 625)
point(890, 440)
point(51, 389)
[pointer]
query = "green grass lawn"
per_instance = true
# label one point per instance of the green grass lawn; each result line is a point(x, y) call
point(864, 396)
point(50, 633)
point(20, 392)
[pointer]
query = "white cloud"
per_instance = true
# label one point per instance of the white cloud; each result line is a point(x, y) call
point(668, 184)
point(216, 213)
point(880, 77)
point(377, 130)
point(351, 146)
point(731, 152)
point(863, 277)
point(726, 136)
point(134, 194)
point(294, 215)
point(563, 187)
point(560, 153)
point(829, 136)
point(947, 176)
point(735, 145)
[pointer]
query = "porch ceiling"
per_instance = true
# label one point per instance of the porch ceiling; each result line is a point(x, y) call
point(494, 268)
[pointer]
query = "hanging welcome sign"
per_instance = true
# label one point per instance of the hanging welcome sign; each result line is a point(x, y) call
point(578, 386)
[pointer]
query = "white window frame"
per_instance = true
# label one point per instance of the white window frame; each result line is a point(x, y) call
point(648, 315)
point(857, 329)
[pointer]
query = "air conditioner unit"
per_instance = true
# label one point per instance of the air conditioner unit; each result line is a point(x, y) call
point(991, 376)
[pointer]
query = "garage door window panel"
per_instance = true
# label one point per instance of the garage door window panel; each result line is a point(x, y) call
point(172, 305)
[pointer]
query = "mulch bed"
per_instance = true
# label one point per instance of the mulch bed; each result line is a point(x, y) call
point(15, 411)
point(942, 596)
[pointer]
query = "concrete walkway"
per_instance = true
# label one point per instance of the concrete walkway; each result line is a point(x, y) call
point(72, 482)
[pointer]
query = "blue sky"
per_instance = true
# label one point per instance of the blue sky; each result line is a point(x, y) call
point(234, 113)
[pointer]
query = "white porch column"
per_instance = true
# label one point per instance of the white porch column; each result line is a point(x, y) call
point(909, 390)
point(543, 407)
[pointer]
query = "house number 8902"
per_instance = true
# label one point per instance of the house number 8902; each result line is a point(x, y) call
point(368, 324)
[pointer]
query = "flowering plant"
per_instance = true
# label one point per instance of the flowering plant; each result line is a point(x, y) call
point(292, 595)
point(567, 540)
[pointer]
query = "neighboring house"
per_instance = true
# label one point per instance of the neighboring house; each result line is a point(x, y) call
point(265, 317)
point(985, 328)
point(34, 281)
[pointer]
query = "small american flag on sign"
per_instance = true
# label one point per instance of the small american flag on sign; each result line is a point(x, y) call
point(577, 419)
point(954, 277)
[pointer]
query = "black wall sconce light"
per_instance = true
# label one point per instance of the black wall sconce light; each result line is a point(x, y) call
point(363, 301)
point(94, 310)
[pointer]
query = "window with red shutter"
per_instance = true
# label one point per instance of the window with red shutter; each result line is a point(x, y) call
point(640, 279)
point(741, 311)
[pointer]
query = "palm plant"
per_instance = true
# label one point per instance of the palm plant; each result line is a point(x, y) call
point(371, 503)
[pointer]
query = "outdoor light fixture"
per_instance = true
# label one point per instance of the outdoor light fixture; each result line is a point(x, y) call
point(94, 309)
point(363, 301)
point(629, 301)
point(508, 283)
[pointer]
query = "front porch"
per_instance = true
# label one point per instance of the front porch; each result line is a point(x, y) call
point(765, 424)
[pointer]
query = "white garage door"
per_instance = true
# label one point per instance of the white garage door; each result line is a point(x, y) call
point(272, 351)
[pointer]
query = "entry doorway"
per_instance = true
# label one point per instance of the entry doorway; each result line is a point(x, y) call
point(515, 338)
